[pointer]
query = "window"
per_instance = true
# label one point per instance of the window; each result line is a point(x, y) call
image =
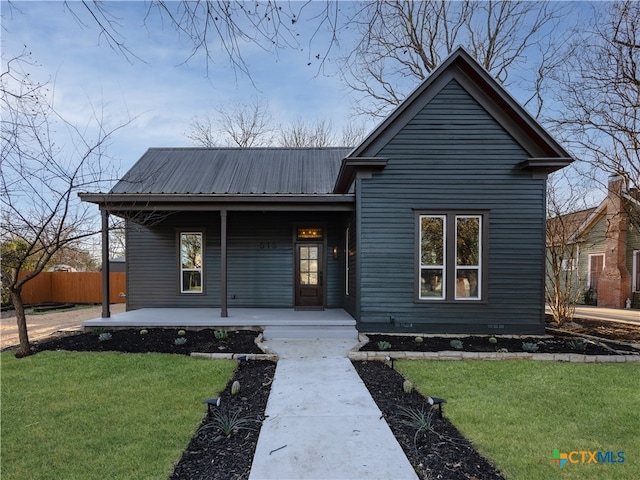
point(596, 266)
point(451, 257)
point(636, 271)
point(569, 264)
point(191, 253)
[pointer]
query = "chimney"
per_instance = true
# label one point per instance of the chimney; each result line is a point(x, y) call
point(614, 284)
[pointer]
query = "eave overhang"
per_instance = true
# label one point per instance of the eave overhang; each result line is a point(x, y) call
point(131, 202)
point(544, 165)
point(350, 168)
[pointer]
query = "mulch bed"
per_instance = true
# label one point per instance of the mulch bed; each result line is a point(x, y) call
point(441, 454)
point(560, 342)
point(212, 455)
point(161, 340)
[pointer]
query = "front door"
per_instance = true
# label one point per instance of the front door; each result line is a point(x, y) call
point(309, 276)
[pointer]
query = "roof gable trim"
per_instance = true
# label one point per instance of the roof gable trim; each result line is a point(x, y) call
point(350, 169)
point(461, 67)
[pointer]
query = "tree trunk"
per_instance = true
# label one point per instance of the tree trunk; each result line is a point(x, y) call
point(25, 347)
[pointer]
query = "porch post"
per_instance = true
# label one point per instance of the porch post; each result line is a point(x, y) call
point(105, 264)
point(223, 264)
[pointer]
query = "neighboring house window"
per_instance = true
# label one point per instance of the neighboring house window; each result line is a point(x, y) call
point(569, 264)
point(191, 254)
point(596, 266)
point(451, 257)
point(346, 261)
point(636, 271)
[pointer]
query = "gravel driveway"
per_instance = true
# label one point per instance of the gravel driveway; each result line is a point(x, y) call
point(43, 325)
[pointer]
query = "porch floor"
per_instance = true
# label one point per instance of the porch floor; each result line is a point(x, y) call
point(258, 318)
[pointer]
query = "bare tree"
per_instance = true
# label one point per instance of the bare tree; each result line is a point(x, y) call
point(566, 212)
point(42, 215)
point(240, 125)
point(213, 26)
point(400, 43)
point(307, 134)
point(601, 98)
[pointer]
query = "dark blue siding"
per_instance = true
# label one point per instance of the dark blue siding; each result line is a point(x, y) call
point(452, 156)
point(260, 265)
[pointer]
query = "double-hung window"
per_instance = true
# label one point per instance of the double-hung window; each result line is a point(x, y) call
point(451, 256)
point(191, 254)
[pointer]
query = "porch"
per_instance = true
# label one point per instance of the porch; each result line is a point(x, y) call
point(274, 322)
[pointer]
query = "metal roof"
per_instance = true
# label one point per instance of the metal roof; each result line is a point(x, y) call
point(234, 171)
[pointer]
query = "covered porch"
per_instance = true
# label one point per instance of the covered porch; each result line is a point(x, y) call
point(274, 322)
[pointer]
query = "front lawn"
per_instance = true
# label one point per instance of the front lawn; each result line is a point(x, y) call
point(516, 413)
point(89, 416)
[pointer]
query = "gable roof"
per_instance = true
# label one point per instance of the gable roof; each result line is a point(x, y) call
point(235, 171)
point(546, 153)
point(562, 229)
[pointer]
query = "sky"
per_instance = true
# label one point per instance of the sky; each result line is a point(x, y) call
point(161, 91)
point(158, 88)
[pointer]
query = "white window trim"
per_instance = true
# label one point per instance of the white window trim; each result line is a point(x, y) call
point(182, 270)
point(469, 267)
point(589, 267)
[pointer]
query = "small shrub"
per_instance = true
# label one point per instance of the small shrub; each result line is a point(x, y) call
point(418, 339)
point(578, 345)
point(227, 423)
point(417, 419)
point(530, 347)
point(220, 334)
point(144, 331)
point(407, 386)
point(384, 345)
point(179, 341)
point(105, 337)
point(235, 387)
point(457, 344)
point(181, 333)
point(493, 340)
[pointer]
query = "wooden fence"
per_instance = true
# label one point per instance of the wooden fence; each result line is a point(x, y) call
point(73, 287)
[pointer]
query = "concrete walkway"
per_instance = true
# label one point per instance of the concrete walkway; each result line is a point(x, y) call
point(608, 314)
point(321, 420)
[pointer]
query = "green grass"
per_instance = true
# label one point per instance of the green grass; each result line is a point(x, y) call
point(102, 415)
point(517, 412)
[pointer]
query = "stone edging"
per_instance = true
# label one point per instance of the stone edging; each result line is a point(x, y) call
point(235, 356)
point(267, 355)
point(454, 355)
point(357, 355)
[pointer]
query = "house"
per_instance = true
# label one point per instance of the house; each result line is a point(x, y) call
point(434, 223)
point(604, 243)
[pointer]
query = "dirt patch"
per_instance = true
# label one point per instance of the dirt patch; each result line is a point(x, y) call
point(44, 325)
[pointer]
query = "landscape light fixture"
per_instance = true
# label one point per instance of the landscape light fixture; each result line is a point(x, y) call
point(392, 360)
point(211, 402)
point(242, 358)
point(437, 401)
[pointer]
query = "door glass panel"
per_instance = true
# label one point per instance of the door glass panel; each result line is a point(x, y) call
point(309, 265)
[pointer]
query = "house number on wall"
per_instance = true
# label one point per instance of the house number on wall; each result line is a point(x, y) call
point(268, 245)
